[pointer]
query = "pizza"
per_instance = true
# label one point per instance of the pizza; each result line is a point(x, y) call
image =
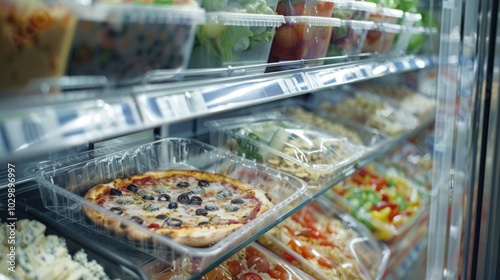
point(195, 208)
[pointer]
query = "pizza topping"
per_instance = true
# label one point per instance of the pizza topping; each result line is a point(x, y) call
point(232, 208)
point(117, 210)
point(151, 207)
point(268, 196)
point(203, 183)
point(164, 197)
point(201, 212)
point(148, 197)
point(224, 194)
point(183, 199)
point(137, 219)
point(127, 200)
point(195, 200)
point(198, 191)
point(162, 190)
point(172, 205)
point(210, 206)
point(154, 225)
point(203, 223)
point(162, 217)
point(214, 220)
point(174, 222)
point(133, 188)
point(183, 185)
point(116, 192)
point(143, 192)
point(251, 276)
point(237, 201)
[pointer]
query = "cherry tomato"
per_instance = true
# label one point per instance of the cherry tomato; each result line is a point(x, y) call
point(258, 263)
point(275, 274)
point(298, 8)
point(307, 253)
point(285, 38)
point(324, 8)
point(325, 262)
point(252, 252)
point(295, 246)
point(235, 267)
point(251, 276)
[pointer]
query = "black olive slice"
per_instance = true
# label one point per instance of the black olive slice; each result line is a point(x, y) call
point(183, 185)
point(137, 219)
point(172, 205)
point(183, 199)
point(148, 197)
point(162, 217)
point(203, 223)
point(164, 197)
point(115, 192)
point(116, 210)
point(232, 208)
point(174, 222)
point(237, 201)
point(195, 200)
point(133, 188)
point(203, 183)
point(201, 212)
point(210, 206)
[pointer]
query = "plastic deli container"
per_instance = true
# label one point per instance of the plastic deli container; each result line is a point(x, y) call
point(305, 8)
point(402, 41)
point(368, 109)
point(240, 6)
point(36, 34)
point(124, 41)
point(194, 3)
point(388, 205)
point(349, 37)
point(328, 244)
point(353, 10)
point(69, 253)
point(286, 144)
point(374, 40)
point(389, 32)
point(62, 190)
point(392, 15)
point(234, 39)
point(303, 37)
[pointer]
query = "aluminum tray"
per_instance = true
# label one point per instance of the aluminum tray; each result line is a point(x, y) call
point(62, 190)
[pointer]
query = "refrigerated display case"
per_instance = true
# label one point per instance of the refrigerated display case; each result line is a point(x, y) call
point(128, 107)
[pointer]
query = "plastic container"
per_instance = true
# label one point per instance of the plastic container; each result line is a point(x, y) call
point(303, 37)
point(62, 190)
point(234, 39)
point(366, 108)
point(389, 32)
point(392, 15)
point(286, 144)
point(410, 19)
point(305, 8)
point(115, 266)
point(240, 6)
point(328, 244)
point(36, 34)
point(353, 10)
point(403, 39)
point(349, 37)
point(374, 40)
point(388, 205)
point(124, 41)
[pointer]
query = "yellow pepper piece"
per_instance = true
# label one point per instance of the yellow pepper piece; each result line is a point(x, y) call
point(382, 234)
point(382, 215)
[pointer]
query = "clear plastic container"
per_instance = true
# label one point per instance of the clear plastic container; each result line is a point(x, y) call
point(302, 37)
point(124, 41)
point(392, 15)
point(34, 33)
point(194, 3)
point(389, 32)
point(240, 6)
point(410, 19)
point(62, 190)
point(353, 10)
point(366, 108)
point(234, 39)
point(374, 40)
point(403, 39)
point(286, 144)
point(328, 244)
point(388, 205)
point(348, 38)
point(315, 8)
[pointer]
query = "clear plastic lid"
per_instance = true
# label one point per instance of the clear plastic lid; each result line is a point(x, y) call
point(413, 17)
point(314, 21)
point(327, 244)
point(356, 5)
point(394, 13)
point(243, 19)
point(390, 27)
point(357, 24)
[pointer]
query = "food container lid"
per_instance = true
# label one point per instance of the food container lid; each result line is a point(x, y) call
point(390, 27)
point(413, 16)
point(244, 19)
point(415, 30)
point(315, 21)
point(357, 24)
point(356, 5)
point(388, 12)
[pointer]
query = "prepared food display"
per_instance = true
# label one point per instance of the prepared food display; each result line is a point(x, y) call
point(389, 32)
point(353, 10)
point(124, 41)
point(387, 204)
point(240, 6)
point(302, 37)
point(286, 144)
point(36, 34)
point(322, 8)
point(368, 109)
point(327, 244)
point(348, 38)
point(234, 39)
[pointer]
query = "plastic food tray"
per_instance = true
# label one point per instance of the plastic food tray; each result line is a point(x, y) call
point(366, 108)
point(240, 6)
point(62, 190)
point(234, 39)
point(388, 205)
point(286, 144)
point(353, 10)
point(349, 37)
point(314, 8)
point(124, 41)
point(114, 265)
point(328, 244)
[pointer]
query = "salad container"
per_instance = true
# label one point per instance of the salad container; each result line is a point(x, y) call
point(369, 109)
point(124, 41)
point(34, 33)
point(389, 32)
point(302, 37)
point(315, 8)
point(234, 39)
point(374, 39)
point(194, 3)
point(288, 145)
point(388, 205)
point(328, 244)
point(62, 189)
point(353, 10)
point(402, 41)
point(240, 6)
point(392, 15)
point(349, 37)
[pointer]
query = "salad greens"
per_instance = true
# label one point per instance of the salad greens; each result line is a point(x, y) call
point(238, 6)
